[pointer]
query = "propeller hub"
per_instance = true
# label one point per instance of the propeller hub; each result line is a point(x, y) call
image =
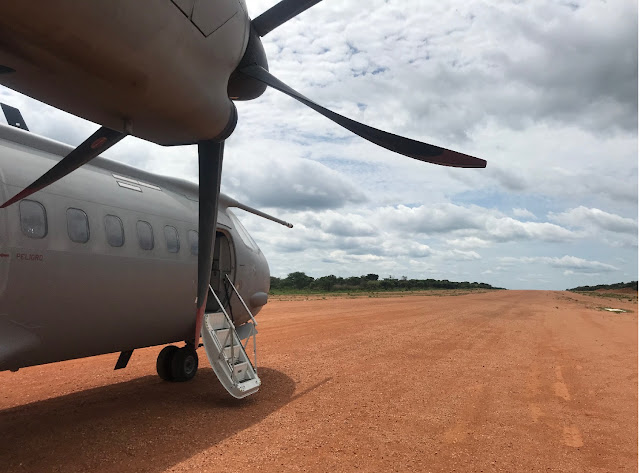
point(240, 86)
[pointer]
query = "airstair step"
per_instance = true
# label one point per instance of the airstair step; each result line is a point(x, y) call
point(224, 337)
point(249, 386)
point(240, 370)
point(238, 353)
point(217, 320)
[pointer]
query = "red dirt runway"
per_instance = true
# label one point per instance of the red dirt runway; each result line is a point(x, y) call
point(495, 381)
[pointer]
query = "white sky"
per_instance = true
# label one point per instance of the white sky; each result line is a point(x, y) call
point(545, 91)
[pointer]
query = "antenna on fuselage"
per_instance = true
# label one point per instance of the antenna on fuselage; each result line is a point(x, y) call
point(229, 202)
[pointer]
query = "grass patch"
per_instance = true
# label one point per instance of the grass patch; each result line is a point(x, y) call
point(610, 295)
point(302, 295)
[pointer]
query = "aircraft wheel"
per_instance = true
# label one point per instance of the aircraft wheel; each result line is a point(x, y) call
point(163, 365)
point(184, 364)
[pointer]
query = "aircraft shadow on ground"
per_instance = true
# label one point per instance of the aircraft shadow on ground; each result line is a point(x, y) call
point(140, 425)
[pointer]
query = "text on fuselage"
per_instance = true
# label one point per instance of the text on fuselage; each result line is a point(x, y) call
point(29, 257)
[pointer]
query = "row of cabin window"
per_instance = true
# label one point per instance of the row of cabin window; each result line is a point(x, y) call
point(33, 220)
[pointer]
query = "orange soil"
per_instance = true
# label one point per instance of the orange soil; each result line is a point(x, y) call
point(495, 381)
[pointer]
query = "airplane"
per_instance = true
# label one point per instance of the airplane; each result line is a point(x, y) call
point(104, 261)
point(167, 72)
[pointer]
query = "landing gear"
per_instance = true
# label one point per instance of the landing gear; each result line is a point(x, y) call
point(184, 364)
point(163, 365)
point(177, 364)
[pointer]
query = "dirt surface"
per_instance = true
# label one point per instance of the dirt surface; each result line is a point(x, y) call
point(495, 381)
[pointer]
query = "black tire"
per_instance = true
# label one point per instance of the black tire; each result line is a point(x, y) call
point(163, 365)
point(184, 364)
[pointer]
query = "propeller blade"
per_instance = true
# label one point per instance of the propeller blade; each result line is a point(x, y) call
point(398, 144)
point(280, 13)
point(210, 163)
point(97, 143)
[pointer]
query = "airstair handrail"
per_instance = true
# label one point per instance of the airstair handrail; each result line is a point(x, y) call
point(253, 320)
point(255, 324)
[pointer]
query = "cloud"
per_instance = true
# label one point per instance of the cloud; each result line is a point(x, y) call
point(507, 229)
point(583, 217)
point(481, 223)
point(510, 179)
point(517, 63)
point(347, 226)
point(569, 263)
point(340, 256)
point(523, 213)
point(469, 242)
point(437, 218)
point(300, 184)
point(459, 255)
point(573, 62)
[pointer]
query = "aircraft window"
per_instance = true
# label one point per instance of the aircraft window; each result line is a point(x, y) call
point(33, 219)
point(173, 242)
point(193, 241)
point(145, 235)
point(77, 225)
point(244, 234)
point(114, 230)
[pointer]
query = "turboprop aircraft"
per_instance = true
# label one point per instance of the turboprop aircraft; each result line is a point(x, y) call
point(167, 72)
point(104, 261)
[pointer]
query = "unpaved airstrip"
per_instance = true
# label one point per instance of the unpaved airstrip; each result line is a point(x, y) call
point(493, 381)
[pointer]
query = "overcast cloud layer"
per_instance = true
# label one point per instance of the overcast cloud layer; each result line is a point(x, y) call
point(546, 92)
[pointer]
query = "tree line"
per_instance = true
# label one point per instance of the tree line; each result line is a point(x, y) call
point(619, 285)
point(368, 282)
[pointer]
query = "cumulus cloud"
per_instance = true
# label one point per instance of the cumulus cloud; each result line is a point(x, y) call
point(300, 184)
point(469, 242)
point(459, 255)
point(569, 263)
point(507, 229)
point(340, 256)
point(483, 224)
point(438, 218)
point(510, 179)
point(583, 217)
point(347, 226)
point(523, 213)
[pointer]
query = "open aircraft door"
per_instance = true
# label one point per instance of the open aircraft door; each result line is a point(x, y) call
point(224, 265)
point(5, 255)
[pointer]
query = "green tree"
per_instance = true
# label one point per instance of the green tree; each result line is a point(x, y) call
point(297, 280)
point(325, 283)
point(276, 283)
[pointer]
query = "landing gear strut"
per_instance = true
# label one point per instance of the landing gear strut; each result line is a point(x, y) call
point(177, 364)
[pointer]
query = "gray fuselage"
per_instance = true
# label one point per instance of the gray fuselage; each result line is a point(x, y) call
point(62, 299)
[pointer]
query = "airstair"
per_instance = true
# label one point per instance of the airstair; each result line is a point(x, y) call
point(226, 353)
